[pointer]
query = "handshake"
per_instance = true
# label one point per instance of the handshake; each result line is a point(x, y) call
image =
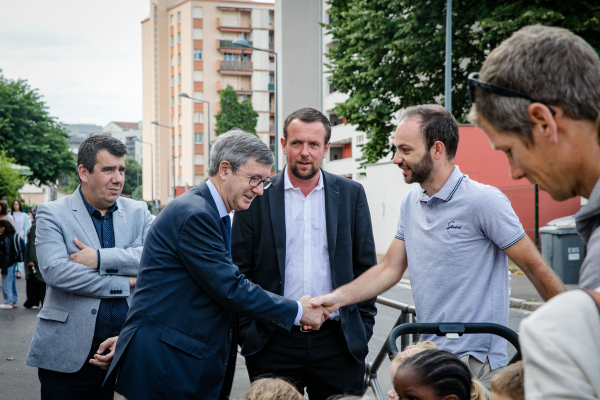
point(315, 311)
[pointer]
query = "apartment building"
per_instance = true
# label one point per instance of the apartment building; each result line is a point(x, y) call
point(130, 133)
point(187, 48)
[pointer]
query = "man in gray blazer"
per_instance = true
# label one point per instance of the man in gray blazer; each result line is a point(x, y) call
point(89, 246)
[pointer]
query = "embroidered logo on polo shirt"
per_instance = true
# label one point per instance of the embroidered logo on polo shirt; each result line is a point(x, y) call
point(452, 226)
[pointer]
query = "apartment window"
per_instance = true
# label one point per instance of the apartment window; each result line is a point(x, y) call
point(178, 17)
point(172, 61)
point(172, 20)
point(244, 97)
point(179, 79)
point(172, 101)
point(198, 159)
point(197, 12)
point(178, 37)
point(180, 140)
point(172, 81)
point(332, 88)
point(198, 117)
point(361, 176)
point(173, 121)
point(270, 19)
point(333, 118)
point(197, 55)
point(230, 57)
point(360, 139)
point(178, 58)
point(245, 57)
point(270, 78)
point(197, 34)
point(179, 180)
point(172, 141)
point(198, 76)
point(198, 138)
point(199, 95)
point(198, 179)
point(180, 120)
point(172, 41)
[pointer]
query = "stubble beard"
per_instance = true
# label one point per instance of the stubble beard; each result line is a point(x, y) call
point(421, 171)
point(296, 171)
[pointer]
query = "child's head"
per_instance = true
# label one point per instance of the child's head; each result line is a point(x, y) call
point(433, 375)
point(399, 358)
point(508, 383)
point(272, 389)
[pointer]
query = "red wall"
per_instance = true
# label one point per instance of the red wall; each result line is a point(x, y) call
point(347, 150)
point(476, 158)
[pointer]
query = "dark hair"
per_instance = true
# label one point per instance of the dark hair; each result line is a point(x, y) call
point(441, 371)
point(89, 148)
point(9, 229)
point(3, 208)
point(308, 115)
point(437, 124)
point(12, 206)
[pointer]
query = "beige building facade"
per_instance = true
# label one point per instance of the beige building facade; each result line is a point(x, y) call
point(187, 48)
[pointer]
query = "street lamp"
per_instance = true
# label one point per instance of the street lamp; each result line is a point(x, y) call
point(135, 139)
point(207, 124)
point(244, 43)
point(172, 128)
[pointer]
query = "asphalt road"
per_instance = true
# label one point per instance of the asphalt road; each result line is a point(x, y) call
point(20, 382)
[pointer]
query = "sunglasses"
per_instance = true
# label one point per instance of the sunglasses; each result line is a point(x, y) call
point(499, 90)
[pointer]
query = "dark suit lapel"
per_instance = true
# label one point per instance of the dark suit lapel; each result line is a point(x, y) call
point(276, 200)
point(207, 195)
point(332, 200)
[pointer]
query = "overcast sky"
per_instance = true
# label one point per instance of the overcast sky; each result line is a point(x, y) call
point(84, 57)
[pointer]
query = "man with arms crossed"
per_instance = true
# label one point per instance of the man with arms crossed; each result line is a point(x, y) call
point(179, 340)
point(550, 133)
point(454, 235)
point(89, 246)
point(310, 233)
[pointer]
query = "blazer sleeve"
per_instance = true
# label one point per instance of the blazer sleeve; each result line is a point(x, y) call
point(364, 256)
point(126, 261)
point(203, 252)
point(60, 272)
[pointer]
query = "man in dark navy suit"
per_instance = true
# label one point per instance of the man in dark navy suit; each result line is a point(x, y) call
point(309, 234)
point(179, 339)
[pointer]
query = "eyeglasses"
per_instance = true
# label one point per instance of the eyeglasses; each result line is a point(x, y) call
point(499, 90)
point(255, 181)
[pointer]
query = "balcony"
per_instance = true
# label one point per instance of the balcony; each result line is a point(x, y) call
point(228, 44)
point(271, 87)
point(234, 25)
point(242, 87)
point(234, 67)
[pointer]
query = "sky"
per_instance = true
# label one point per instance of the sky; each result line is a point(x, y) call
point(84, 57)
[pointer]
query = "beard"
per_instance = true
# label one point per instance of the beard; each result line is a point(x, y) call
point(421, 171)
point(308, 175)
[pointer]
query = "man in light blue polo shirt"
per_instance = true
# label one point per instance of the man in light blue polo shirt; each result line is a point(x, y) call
point(454, 235)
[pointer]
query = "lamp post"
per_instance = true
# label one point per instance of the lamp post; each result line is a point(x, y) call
point(185, 95)
point(244, 43)
point(135, 139)
point(172, 128)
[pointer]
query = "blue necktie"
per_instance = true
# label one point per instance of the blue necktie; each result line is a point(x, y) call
point(227, 221)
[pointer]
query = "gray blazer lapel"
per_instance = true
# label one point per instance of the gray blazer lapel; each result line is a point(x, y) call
point(119, 226)
point(277, 207)
point(332, 200)
point(85, 220)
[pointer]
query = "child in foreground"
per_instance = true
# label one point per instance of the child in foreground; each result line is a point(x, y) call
point(436, 374)
point(508, 384)
point(272, 389)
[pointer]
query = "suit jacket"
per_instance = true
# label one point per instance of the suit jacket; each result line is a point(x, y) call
point(179, 330)
point(65, 328)
point(258, 246)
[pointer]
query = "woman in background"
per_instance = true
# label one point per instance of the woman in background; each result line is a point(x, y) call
point(8, 258)
point(21, 223)
point(36, 287)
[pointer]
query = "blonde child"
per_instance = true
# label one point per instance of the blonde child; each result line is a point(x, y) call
point(272, 389)
point(508, 384)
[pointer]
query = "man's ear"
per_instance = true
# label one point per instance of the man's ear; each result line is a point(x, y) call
point(83, 173)
point(543, 123)
point(438, 150)
point(224, 169)
point(283, 149)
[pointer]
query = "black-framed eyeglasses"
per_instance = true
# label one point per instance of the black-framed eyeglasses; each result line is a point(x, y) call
point(499, 90)
point(255, 181)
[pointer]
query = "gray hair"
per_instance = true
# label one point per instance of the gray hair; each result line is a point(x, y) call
point(550, 64)
point(237, 147)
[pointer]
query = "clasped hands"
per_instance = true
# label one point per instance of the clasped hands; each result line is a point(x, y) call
point(315, 311)
point(89, 257)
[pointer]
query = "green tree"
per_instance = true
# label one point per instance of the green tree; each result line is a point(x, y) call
point(234, 114)
point(390, 54)
point(10, 180)
point(30, 135)
point(130, 184)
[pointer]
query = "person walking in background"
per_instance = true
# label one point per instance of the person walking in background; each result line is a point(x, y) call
point(8, 258)
point(36, 287)
point(21, 222)
point(4, 213)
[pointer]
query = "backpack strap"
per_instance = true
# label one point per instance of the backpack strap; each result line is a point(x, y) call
point(595, 296)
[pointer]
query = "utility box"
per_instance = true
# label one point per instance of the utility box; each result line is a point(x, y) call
point(562, 248)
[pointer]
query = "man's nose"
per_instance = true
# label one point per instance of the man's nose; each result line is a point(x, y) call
point(259, 190)
point(397, 159)
point(305, 150)
point(515, 172)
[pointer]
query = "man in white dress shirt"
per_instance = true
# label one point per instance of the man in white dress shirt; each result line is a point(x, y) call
point(307, 235)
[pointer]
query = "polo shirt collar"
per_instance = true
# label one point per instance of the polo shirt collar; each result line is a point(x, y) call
point(451, 185)
point(287, 183)
point(217, 198)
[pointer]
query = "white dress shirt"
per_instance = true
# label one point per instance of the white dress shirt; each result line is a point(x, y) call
point(307, 269)
point(222, 213)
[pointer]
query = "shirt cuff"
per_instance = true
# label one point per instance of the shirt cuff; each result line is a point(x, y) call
point(98, 251)
point(299, 316)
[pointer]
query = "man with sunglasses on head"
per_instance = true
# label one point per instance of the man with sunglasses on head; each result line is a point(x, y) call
point(537, 97)
point(308, 234)
point(454, 236)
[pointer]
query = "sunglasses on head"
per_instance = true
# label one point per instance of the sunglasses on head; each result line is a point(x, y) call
point(499, 90)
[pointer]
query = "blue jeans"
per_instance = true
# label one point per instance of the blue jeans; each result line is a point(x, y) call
point(9, 286)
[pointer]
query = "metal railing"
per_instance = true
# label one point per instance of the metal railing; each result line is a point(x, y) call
point(235, 65)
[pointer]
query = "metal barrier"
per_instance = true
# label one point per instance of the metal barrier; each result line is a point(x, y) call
point(407, 314)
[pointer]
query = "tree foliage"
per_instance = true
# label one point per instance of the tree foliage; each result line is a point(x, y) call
point(131, 168)
point(10, 180)
point(390, 54)
point(30, 135)
point(234, 114)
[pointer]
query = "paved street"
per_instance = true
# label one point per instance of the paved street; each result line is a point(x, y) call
point(19, 382)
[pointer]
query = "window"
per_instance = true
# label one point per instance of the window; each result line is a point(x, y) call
point(197, 34)
point(179, 79)
point(172, 61)
point(361, 176)
point(180, 120)
point(198, 76)
point(172, 101)
point(179, 180)
point(198, 159)
point(178, 37)
point(270, 78)
point(230, 57)
point(178, 17)
point(199, 95)
point(198, 138)
point(197, 12)
point(173, 120)
point(172, 141)
point(172, 81)
point(198, 179)
point(332, 88)
point(198, 117)
point(244, 97)
point(335, 120)
point(172, 20)
point(197, 55)
point(245, 57)
point(180, 140)
point(172, 41)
